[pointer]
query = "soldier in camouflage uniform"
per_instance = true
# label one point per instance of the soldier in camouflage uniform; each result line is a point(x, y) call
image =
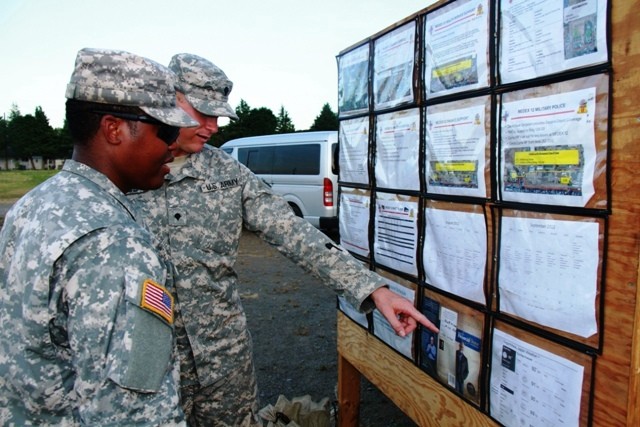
point(85, 300)
point(199, 214)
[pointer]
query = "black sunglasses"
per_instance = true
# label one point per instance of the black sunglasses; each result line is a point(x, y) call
point(166, 133)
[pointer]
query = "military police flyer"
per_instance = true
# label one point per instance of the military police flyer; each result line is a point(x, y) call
point(547, 149)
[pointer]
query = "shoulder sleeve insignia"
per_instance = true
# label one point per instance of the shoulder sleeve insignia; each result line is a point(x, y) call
point(156, 299)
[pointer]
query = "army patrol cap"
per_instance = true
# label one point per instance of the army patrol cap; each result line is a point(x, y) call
point(123, 78)
point(205, 86)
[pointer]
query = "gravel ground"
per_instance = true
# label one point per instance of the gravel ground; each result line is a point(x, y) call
point(292, 318)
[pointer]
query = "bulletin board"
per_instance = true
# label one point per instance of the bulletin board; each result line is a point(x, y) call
point(488, 171)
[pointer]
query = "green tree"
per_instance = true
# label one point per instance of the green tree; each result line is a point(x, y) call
point(4, 142)
point(251, 122)
point(326, 120)
point(64, 143)
point(30, 135)
point(283, 122)
point(262, 121)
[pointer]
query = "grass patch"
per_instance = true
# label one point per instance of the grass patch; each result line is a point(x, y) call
point(15, 184)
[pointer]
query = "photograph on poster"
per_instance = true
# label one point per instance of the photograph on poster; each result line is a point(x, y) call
point(354, 150)
point(542, 37)
point(353, 78)
point(453, 356)
point(455, 252)
point(549, 270)
point(456, 48)
point(396, 232)
point(457, 136)
point(397, 141)
point(394, 61)
point(353, 220)
point(381, 327)
point(548, 148)
point(531, 386)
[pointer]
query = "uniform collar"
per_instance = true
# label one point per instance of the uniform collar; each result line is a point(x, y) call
point(99, 179)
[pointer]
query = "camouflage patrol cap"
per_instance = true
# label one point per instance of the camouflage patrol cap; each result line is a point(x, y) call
point(206, 86)
point(123, 78)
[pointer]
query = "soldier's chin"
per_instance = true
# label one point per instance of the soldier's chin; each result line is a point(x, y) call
point(156, 181)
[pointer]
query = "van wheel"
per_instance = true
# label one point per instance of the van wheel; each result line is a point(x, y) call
point(296, 210)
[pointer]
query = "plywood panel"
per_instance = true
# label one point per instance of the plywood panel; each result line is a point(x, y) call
point(616, 390)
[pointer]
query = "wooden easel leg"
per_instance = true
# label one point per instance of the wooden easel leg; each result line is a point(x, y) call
point(348, 394)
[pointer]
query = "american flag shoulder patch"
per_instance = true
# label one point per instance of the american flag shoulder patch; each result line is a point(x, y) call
point(156, 299)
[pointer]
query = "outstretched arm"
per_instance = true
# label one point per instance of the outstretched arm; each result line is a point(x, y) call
point(399, 312)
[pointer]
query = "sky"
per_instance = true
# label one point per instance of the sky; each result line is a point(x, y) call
point(277, 53)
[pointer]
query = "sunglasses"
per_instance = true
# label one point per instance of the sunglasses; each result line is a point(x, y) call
point(166, 133)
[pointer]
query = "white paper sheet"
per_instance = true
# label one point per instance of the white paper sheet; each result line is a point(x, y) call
point(396, 234)
point(354, 222)
point(541, 37)
point(531, 387)
point(353, 79)
point(455, 252)
point(456, 48)
point(548, 272)
point(456, 143)
point(382, 328)
point(352, 313)
point(397, 148)
point(393, 61)
point(354, 150)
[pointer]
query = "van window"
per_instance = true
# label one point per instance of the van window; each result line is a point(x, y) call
point(297, 160)
point(258, 159)
point(303, 159)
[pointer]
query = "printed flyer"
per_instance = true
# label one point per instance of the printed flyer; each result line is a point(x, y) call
point(456, 48)
point(353, 78)
point(548, 150)
point(393, 61)
point(354, 150)
point(453, 356)
point(542, 37)
point(396, 233)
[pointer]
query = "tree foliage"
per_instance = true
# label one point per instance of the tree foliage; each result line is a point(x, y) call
point(251, 122)
point(284, 124)
point(30, 135)
point(326, 120)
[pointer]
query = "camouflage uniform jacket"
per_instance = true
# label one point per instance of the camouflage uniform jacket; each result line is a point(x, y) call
point(199, 215)
point(77, 345)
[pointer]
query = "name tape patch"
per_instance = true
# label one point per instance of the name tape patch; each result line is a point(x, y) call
point(156, 299)
point(221, 185)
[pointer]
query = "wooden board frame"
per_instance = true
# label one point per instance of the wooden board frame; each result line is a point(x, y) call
point(616, 385)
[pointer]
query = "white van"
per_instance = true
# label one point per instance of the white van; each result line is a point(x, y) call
point(302, 167)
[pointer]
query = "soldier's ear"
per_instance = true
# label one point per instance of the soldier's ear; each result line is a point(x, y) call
point(111, 128)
